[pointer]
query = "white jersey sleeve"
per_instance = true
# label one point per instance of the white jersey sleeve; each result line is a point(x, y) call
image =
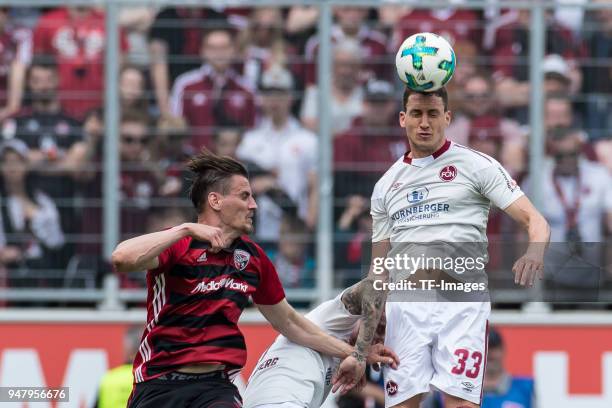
point(381, 224)
point(496, 184)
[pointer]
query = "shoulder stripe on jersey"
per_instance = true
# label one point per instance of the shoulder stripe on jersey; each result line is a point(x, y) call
point(240, 299)
point(200, 271)
point(213, 271)
point(235, 342)
point(177, 320)
point(194, 244)
point(474, 151)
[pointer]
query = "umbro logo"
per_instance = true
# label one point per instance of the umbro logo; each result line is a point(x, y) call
point(202, 257)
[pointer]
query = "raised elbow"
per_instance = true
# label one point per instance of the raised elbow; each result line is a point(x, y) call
point(120, 261)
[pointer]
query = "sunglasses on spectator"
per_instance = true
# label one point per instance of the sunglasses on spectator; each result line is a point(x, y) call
point(133, 140)
point(566, 155)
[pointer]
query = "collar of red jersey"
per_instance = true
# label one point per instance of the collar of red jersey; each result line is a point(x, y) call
point(422, 161)
point(205, 245)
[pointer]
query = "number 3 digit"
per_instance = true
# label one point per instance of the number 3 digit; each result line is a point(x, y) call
point(473, 373)
point(463, 355)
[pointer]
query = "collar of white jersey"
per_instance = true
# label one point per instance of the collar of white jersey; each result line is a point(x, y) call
point(424, 161)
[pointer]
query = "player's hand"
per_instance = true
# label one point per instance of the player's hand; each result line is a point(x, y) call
point(349, 374)
point(382, 355)
point(527, 267)
point(212, 235)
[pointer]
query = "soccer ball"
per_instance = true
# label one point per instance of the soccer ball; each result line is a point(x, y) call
point(425, 62)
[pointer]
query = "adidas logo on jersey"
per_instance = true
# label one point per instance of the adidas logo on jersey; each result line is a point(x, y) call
point(225, 283)
point(202, 257)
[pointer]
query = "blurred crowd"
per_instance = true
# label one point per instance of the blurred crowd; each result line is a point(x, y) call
point(242, 82)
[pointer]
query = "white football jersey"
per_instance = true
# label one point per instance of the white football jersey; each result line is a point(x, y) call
point(288, 372)
point(444, 197)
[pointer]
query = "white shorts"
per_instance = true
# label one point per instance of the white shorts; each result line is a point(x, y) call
point(280, 405)
point(442, 344)
point(288, 373)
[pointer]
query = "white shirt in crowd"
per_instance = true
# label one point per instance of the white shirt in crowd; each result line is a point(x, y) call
point(342, 113)
point(595, 200)
point(291, 153)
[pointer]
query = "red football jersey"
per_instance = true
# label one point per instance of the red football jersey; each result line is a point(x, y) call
point(194, 301)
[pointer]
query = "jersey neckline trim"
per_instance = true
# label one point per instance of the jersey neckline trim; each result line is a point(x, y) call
point(428, 159)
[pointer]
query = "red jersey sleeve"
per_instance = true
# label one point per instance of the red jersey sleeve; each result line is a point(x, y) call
point(270, 290)
point(171, 255)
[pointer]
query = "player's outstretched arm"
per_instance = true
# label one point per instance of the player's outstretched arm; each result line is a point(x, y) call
point(372, 303)
point(140, 253)
point(532, 262)
point(295, 327)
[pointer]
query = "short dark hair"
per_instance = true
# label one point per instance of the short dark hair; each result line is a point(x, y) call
point(495, 338)
point(439, 92)
point(212, 173)
point(44, 61)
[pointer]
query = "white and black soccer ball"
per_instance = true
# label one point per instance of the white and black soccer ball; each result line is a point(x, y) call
point(425, 62)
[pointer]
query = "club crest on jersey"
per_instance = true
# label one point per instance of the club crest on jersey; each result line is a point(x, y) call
point(241, 259)
point(417, 195)
point(391, 388)
point(202, 257)
point(448, 173)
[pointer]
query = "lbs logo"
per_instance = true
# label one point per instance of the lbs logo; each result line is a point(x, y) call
point(448, 173)
point(418, 195)
point(391, 388)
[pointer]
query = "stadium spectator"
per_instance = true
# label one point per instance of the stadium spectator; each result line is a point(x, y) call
point(116, 385)
point(598, 76)
point(578, 209)
point(508, 41)
point(347, 91)
point(451, 23)
point(301, 24)
point(558, 112)
point(262, 45)
point(583, 189)
point(502, 389)
point(132, 91)
point(75, 37)
point(170, 150)
point(351, 25)
point(136, 22)
point(292, 259)
point(176, 33)
point(226, 142)
point(15, 56)
point(54, 138)
point(138, 183)
point(557, 79)
point(471, 65)
point(284, 149)
point(371, 145)
point(479, 102)
point(353, 229)
point(31, 236)
point(213, 95)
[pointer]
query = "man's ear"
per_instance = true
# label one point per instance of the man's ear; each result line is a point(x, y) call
point(215, 200)
point(402, 119)
point(448, 116)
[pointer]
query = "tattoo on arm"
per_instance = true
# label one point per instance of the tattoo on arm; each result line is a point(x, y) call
point(352, 298)
point(372, 303)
